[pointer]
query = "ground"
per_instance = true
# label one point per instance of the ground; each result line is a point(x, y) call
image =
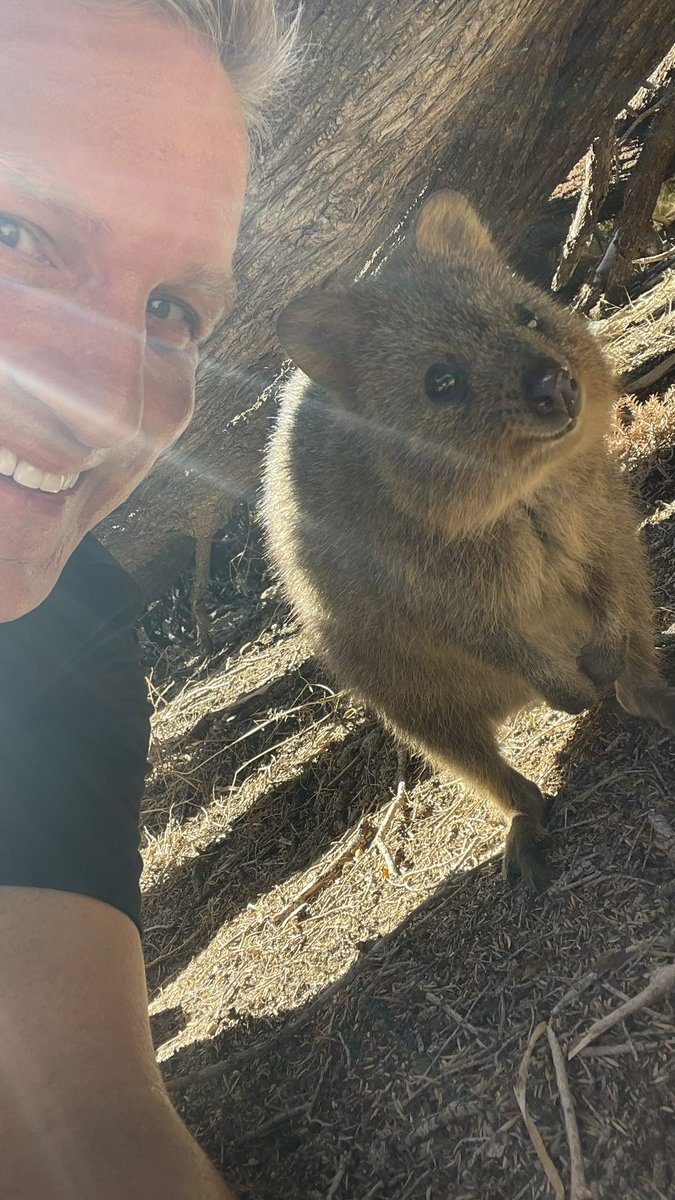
point(342, 984)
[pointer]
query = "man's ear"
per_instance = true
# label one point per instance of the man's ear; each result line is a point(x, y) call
point(319, 331)
point(448, 225)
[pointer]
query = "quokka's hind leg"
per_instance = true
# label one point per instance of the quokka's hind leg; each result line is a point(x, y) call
point(476, 754)
point(641, 689)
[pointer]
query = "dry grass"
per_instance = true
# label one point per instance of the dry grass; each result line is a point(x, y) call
point(342, 1009)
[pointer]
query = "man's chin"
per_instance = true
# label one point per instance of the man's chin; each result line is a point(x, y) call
point(25, 585)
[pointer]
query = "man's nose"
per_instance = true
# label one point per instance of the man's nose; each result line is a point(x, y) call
point(90, 375)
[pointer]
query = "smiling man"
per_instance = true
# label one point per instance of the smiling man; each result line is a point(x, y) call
point(123, 160)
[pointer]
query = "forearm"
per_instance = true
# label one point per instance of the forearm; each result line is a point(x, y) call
point(103, 1148)
point(83, 1110)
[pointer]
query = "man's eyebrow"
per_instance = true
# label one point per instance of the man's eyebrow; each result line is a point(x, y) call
point(215, 285)
point(19, 172)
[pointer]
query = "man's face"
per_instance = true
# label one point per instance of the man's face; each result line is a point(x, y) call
point(123, 159)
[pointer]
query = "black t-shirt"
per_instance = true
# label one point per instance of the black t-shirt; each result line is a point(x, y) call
point(74, 730)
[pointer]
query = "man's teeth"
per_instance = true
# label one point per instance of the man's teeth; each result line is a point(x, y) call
point(32, 477)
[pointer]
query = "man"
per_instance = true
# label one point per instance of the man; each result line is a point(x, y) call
point(123, 159)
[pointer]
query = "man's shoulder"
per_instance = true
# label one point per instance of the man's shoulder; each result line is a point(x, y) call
point(94, 604)
point(93, 578)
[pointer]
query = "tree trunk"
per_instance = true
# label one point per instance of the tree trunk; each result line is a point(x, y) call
point(497, 99)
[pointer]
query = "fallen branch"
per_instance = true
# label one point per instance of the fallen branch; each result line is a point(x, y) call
point(650, 377)
point(535, 1136)
point(593, 191)
point(641, 196)
point(578, 1188)
point(603, 1051)
point(661, 982)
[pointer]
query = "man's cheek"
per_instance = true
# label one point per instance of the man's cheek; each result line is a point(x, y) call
point(169, 403)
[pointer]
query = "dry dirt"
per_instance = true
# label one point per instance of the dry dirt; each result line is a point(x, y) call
point(342, 985)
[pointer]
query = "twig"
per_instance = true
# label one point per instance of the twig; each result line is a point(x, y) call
point(455, 1016)
point(603, 1051)
point(646, 112)
point(339, 1175)
point(391, 810)
point(246, 700)
point(454, 1111)
point(252, 1135)
point(357, 841)
point(384, 850)
point(535, 1136)
point(324, 877)
point(385, 823)
point(315, 1096)
point(575, 991)
point(652, 258)
point(615, 960)
point(650, 377)
point(578, 1188)
point(664, 834)
point(373, 1190)
point(661, 982)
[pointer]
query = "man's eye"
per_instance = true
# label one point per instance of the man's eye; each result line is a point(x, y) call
point(177, 323)
point(16, 236)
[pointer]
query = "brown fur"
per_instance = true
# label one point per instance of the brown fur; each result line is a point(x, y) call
point(449, 563)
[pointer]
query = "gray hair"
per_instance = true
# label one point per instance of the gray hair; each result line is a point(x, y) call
point(256, 44)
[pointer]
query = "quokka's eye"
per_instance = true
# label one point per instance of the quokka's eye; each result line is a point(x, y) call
point(527, 318)
point(445, 383)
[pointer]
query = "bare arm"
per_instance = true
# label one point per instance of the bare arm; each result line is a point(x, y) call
point(83, 1110)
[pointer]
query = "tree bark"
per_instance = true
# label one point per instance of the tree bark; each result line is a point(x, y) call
point(497, 99)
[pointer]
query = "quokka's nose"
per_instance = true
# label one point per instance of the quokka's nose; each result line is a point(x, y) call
point(550, 389)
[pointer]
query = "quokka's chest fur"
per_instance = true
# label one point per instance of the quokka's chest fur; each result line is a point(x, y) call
point(530, 572)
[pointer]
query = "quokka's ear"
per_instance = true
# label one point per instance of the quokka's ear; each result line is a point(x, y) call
point(319, 330)
point(448, 224)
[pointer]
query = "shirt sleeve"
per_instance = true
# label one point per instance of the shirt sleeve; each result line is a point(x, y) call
point(74, 732)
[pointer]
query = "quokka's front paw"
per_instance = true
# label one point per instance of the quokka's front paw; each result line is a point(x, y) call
point(603, 662)
point(572, 697)
point(525, 855)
